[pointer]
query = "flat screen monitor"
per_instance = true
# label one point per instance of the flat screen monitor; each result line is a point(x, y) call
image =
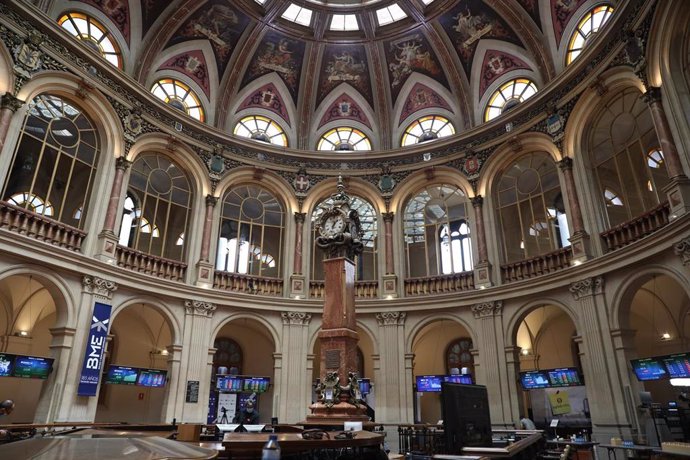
point(461, 379)
point(32, 367)
point(466, 419)
point(230, 383)
point(678, 366)
point(531, 380)
point(6, 364)
point(365, 386)
point(153, 378)
point(122, 375)
point(429, 383)
point(256, 384)
point(564, 377)
point(649, 369)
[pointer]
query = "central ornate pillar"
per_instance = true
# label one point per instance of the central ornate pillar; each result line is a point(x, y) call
point(390, 287)
point(297, 281)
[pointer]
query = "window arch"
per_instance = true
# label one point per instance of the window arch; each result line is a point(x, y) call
point(228, 354)
point(625, 157)
point(366, 262)
point(508, 96)
point(94, 34)
point(426, 129)
point(459, 355)
point(180, 96)
point(54, 164)
point(530, 207)
point(260, 128)
point(157, 208)
point(437, 232)
point(344, 138)
point(252, 228)
point(588, 26)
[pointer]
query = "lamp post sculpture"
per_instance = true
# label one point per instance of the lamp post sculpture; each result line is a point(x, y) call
point(340, 236)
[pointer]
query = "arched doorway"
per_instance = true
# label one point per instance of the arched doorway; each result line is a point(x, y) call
point(140, 337)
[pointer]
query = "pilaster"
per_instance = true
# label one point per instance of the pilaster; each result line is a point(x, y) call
point(292, 400)
point(392, 394)
point(482, 269)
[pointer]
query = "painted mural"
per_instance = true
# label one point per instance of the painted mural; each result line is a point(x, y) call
point(344, 108)
point(267, 97)
point(218, 22)
point(411, 54)
point(422, 97)
point(280, 54)
point(150, 11)
point(345, 64)
point(495, 64)
point(192, 64)
point(532, 8)
point(471, 21)
point(561, 12)
point(117, 11)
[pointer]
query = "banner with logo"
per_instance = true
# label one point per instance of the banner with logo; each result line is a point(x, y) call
point(95, 346)
point(560, 403)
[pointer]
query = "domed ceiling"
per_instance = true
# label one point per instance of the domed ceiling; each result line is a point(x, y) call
point(312, 63)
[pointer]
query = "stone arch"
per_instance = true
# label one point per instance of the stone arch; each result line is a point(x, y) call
point(519, 314)
point(343, 89)
point(412, 183)
point(411, 335)
point(221, 322)
point(481, 103)
point(169, 313)
point(7, 76)
point(353, 186)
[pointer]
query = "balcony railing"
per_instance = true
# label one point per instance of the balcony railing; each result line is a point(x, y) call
point(23, 221)
point(537, 266)
point(236, 282)
point(628, 232)
point(441, 284)
point(150, 265)
point(363, 289)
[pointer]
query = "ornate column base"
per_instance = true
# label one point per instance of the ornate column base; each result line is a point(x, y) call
point(107, 247)
point(678, 194)
point(337, 414)
point(390, 286)
point(298, 286)
point(482, 275)
point(204, 273)
point(580, 245)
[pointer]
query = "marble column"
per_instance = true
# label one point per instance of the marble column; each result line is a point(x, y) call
point(482, 269)
point(579, 239)
point(297, 280)
point(107, 238)
point(604, 386)
point(8, 106)
point(390, 287)
point(678, 189)
point(290, 405)
point(204, 267)
point(392, 393)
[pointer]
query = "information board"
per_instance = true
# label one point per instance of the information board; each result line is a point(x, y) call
point(564, 377)
point(649, 369)
point(429, 383)
point(31, 367)
point(534, 379)
point(231, 383)
point(153, 378)
point(256, 384)
point(192, 394)
point(122, 375)
point(678, 366)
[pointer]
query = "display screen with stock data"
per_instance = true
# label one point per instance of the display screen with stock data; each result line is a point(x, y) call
point(31, 367)
point(649, 369)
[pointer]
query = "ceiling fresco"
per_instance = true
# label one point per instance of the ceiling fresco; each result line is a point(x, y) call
point(345, 64)
point(151, 10)
point(117, 11)
point(193, 64)
point(422, 97)
point(267, 97)
point(344, 108)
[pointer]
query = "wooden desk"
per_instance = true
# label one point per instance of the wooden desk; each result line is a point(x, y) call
point(647, 451)
point(249, 445)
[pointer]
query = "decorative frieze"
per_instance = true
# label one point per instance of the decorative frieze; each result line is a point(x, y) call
point(487, 309)
point(391, 318)
point(99, 286)
point(587, 287)
point(199, 308)
point(682, 249)
point(296, 318)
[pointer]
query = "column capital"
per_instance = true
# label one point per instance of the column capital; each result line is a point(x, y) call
point(9, 101)
point(477, 201)
point(199, 308)
point(295, 318)
point(98, 286)
point(566, 164)
point(391, 318)
point(652, 96)
point(122, 163)
point(300, 217)
point(211, 201)
point(587, 287)
point(682, 250)
point(487, 309)
point(388, 216)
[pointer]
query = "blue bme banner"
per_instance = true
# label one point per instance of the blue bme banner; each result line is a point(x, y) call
point(95, 346)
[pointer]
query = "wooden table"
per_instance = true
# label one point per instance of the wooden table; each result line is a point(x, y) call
point(647, 451)
point(249, 445)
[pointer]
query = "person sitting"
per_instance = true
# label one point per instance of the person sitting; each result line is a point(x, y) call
point(526, 423)
point(6, 407)
point(247, 416)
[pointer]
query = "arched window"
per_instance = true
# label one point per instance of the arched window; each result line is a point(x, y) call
point(530, 207)
point(54, 164)
point(426, 129)
point(93, 34)
point(508, 96)
point(344, 139)
point(459, 355)
point(588, 26)
point(625, 157)
point(366, 261)
point(262, 129)
point(228, 354)
point(180, 96)
point(437, 232)
point(157, 208)
point(252, 228)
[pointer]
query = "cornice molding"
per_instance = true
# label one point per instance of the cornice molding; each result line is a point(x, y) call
point(391, 318)
point(487, 309)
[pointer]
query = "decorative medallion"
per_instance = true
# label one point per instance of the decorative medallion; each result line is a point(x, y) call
point(555, 126)
point(28, 56)
point(344, 108)
point(192, 64)
point(497, 63)
point(267, 97)
point(386, 181)
point(471, 166)
point(301, 182)
point(133, 124)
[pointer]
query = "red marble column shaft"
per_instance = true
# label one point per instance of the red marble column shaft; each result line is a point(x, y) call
point(208, 222)
point(121, 165)
point(477, 203)
point(299, 228)
point(8, 106)
point(388, 231)
point(663, 132)
point(575, 211)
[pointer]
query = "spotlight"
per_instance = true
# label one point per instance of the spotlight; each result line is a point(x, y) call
point(525, 351)
point(23, 333)
point(665, 336)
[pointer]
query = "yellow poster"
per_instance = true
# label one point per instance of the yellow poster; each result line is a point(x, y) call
point(560, 403)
